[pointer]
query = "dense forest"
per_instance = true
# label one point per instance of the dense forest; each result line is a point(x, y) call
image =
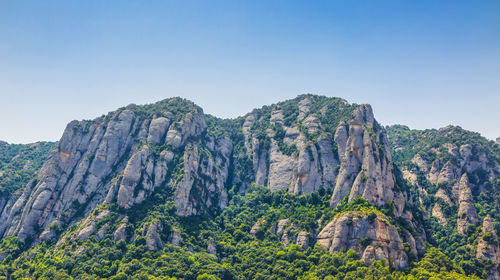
point(220, 247)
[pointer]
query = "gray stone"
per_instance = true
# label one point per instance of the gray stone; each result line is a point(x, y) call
point(438, 213)
point(157, 130)
point(211, 248)
point(121, 232)
point(153, 238)
point(345, 232)
point(175, 237)
point(467, 214)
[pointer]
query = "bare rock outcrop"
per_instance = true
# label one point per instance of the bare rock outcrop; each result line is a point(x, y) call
point(281, 225)
point(441, 193)
point(292, 160)
point(447, 174)
point(121, 160)
point(488, 247)
point(257, 226)
point(175, 237)
point(122, 157)
point(138, 175)
point(121, 231)
point(158, 129)
point(303, 240)
point(153, 237)
point(420, 163)
point(307, 153)
point(467, 214)
point(87, 228)
point(205, 176)
point(437, 212)
point(366, 166)
point(73, 175)
point(373, 239)
point(211, 247)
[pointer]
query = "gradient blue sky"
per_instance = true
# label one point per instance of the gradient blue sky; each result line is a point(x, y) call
point(422, 63)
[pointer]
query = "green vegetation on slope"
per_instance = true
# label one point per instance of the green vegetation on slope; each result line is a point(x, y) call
point(433, 146)
point(240, 254)
point(19, 164)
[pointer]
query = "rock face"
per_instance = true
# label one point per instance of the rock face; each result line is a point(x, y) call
point(280, 227)
point(123, 157)
point(153, 238)
point(448, 173)
point(205, 176)
point(420, 163)
point(441, 193)
point(374, 239)
point(438, 213)
point(467, 214)
point(488, 248)
point(366, 164)
point(353, 160)
point(452, 160)
point(303, 240)
point(292, 160)
point(175, 237)
point(121, 232)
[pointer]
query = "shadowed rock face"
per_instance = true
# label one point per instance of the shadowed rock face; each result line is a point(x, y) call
point(382, 239)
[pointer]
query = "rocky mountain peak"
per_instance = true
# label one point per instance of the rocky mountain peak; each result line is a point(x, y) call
point(122, 157)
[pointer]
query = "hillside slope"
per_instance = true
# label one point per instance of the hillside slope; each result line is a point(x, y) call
point(454, 175)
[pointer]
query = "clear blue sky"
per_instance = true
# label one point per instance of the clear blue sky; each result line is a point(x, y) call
point(422, 63)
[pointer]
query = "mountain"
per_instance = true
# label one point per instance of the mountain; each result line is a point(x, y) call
point(454, 175)
point(308, 188)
